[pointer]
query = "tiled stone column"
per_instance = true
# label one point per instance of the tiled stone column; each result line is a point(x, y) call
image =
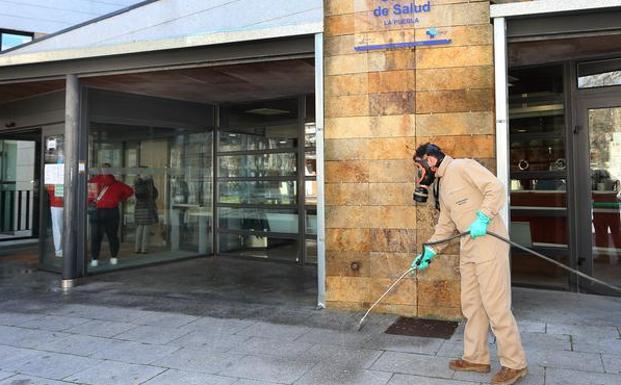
point(379, 105)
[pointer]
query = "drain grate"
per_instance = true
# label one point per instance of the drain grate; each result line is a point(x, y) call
point(419, 327)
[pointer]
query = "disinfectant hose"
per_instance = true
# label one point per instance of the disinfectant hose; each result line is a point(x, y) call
point(411, 269)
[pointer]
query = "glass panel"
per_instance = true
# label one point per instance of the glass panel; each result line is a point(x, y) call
point(311, 221)
point(261, 165)
point(605, 141)
point(259, 246)
point(158, 206)
point(311, 251)
point(261, 192)
point(538, 174)
point(253, 219)
point(310, 134)
point(53, 204)
point(599, 73)
point(279, 137)
point(310, 163)
point(10, 40)
point(311, 192)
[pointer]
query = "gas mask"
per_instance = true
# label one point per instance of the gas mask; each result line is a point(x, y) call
point(424, 180)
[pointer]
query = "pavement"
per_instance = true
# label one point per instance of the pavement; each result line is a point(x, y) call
point(137, 327)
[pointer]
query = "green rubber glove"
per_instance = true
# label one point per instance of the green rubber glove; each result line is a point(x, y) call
point(478, 228)
point(421, 262)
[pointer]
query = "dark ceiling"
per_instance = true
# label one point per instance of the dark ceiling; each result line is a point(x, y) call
point(223, 84)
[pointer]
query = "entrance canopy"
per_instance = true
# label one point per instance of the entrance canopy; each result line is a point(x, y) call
point(171, 24)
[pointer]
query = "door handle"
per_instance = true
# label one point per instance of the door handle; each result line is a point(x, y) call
point(577, 128)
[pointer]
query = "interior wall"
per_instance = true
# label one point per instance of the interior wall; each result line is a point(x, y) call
point(380, 104)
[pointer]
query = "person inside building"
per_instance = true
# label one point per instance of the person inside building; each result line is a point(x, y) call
point(105, 195)
point(145, 211)
point(470, 198)
point(56, 212)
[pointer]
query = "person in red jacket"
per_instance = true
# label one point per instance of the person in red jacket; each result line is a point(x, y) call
point(106, 193)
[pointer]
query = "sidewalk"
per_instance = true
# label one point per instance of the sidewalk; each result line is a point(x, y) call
point(91, 337)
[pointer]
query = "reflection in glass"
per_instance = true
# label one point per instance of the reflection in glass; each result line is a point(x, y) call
point(258, 192)
point(258, 219)
point(605, 141)
point(600, 73)
point(538, 174)
point(259, 246)
point(257, 165)
point(170, 215)
point(53, 202)
point(10, 40)
point(280, 137)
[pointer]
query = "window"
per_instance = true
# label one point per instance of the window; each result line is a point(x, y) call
point(10, 39)
point(602, 73)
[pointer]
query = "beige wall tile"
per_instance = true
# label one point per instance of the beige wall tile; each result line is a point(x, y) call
point(462, 100)
point(348, 240)
point(446, 57)
point(395, 240)
point(345, 85)
point(346, 106)
point(461, 78)
point(391, 194)
point(343, 194)
point(345, 149)
point(347, 171)
point(391, 148)
point(457, 123)
point(392, 81)
point(348, 127)
point(346, 64)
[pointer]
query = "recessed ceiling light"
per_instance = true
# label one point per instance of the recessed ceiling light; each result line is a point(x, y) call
point(267, 111)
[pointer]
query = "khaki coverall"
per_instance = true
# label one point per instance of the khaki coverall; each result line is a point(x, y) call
point(466, 187)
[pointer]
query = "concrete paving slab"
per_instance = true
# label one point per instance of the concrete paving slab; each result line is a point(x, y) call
point(526, 326)
point(180, 377)
point(270, 330)
point(334, 337)
point(584, 330)
point(52, 365)
point(17, 319)
point(588, 362)
point(405, 344)
point(416, 364)
point(152, 334)
point(115, 373)
point(545, 342)
point(165, 320)
point(10, 355)
point(105, 313)
point(54, 323)
point(556, 376)
point(342, 356)
point(259, 346)
point(134, 352)
point(198, 360)
point(211, 340)
point(27, 338)
point(326, 374)
point(612, 363)
point(98, 328)
point(21, 379)
point(5, 374)
point(270, 369)
point(404, 379)
point(223, 325)
point(597, 345)
point(253, 382)
point(76, 344)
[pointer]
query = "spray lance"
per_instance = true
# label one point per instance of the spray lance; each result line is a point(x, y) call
point(459, 235)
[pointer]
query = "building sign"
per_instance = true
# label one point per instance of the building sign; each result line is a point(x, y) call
point(397, 13)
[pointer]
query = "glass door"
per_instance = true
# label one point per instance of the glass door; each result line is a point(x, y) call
point(599, 149)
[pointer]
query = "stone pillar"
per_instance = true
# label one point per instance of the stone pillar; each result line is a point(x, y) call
point(380, 103)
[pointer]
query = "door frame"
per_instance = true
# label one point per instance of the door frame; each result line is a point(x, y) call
point(605, 97)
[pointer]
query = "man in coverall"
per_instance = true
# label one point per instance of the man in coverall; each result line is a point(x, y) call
point(469, 200)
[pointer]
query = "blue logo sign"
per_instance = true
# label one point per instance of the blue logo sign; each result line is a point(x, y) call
point(395, 13)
